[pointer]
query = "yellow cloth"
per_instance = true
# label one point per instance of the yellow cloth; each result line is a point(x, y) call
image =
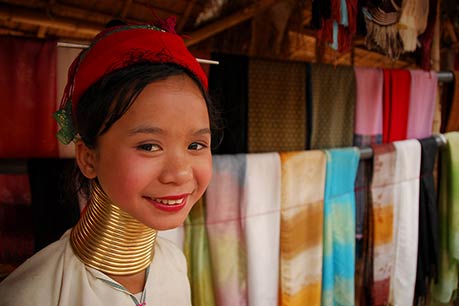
point(55, 276)
point(302, 196)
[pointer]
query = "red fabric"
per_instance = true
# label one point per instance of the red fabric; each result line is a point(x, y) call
point(396, 103)
point(121, 46)
point(28, 98)
point(14, 189)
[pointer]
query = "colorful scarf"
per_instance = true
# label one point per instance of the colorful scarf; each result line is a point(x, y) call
point(423, 95)
point(225, 229)
point(274, 126)
point(196, 249)
point(261, 224)
point(445, 288)
point(339, 227)
point(382, 202)
point(303, 182)
point(406, 221)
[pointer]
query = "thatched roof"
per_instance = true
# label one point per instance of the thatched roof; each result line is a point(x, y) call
point(264, 28)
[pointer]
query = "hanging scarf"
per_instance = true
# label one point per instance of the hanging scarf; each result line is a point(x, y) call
point(303, 182)
point(413, 21)
point(445, 287)
point(382, 209)
point(261, 224)
point(339, 228)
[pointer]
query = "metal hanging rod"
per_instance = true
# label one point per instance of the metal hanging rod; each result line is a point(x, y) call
point(84, 46)
point(366, 153)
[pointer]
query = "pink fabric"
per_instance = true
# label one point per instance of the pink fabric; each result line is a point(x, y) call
point(369, 107)
point(422, 103)
point(28, 91)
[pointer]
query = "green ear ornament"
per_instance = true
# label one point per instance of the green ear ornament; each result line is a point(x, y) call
point(67, 131)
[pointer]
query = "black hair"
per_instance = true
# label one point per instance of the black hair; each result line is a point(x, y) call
point(104, 102)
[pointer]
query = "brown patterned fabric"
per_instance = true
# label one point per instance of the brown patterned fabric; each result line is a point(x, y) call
point(276, 115)
point(333, 105)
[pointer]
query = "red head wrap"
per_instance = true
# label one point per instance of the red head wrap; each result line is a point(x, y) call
point(119, 47)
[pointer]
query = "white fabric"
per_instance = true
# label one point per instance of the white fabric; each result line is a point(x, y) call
point(406, 222)
point(55, 276)
point(261, 213)
point(176, 235)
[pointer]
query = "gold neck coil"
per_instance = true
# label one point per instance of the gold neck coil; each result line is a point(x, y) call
point(109, 239)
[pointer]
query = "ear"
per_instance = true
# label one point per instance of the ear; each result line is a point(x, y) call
point(85, 158)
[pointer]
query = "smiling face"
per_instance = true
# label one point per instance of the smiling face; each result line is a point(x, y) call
point(155, 162)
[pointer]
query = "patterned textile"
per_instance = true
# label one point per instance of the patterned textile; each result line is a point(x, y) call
point(423, 96)
point(333, 105)
point(225, 230)
point(196, 250)
point(396, 103)
point(428, 220)
point(413, 22)
point(228, 85)
point(339, 227)
point(382, 202)
point(261, 224)
point(303, 182)
point(446, 286)
point(276, 112)
point(406, 221)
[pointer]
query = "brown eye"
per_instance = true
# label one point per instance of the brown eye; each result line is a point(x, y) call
point(196, 146)
point(149, 147)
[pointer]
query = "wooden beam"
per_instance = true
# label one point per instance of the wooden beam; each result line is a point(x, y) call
point(29, 16)
point(41, 32)
point(185, 16)
point(228, 22)
point(125, 8)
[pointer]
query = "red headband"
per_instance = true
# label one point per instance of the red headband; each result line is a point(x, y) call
point(119, 47)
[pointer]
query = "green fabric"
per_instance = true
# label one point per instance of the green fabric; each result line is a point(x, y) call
point(197, 253)
point(444, 290)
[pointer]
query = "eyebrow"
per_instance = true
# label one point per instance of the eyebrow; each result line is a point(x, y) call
point(157, 130)
point(145, 130)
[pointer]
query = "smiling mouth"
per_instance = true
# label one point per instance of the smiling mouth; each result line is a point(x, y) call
point(169, 202)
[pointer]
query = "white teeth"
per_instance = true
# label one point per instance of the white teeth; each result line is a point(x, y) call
point(169, 202)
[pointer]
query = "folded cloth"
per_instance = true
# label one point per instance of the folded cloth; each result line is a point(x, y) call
point(423, 95)
point(261, 224)
point(302, 194)
point(276, 111)
point(196, 249)
point(333, 106)
point(339, 227)
point(406, 221)
point(224, 229)
point(428, 220)
point(382, 209)
point(444, 289)
point(396, 104)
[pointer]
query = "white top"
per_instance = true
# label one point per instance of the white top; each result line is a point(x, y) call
point(56, 276)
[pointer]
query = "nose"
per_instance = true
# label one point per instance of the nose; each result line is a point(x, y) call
point(176, 169)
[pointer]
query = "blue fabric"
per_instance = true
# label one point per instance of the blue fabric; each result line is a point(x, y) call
point(339, 227)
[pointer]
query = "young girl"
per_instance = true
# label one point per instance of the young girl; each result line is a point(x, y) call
point(137, 108)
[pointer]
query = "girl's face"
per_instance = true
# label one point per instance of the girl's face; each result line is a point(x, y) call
point(155, 161)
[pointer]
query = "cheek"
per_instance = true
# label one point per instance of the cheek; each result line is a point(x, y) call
point(204, 174)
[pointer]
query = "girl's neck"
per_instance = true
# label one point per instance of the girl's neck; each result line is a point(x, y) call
point(110, 240)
